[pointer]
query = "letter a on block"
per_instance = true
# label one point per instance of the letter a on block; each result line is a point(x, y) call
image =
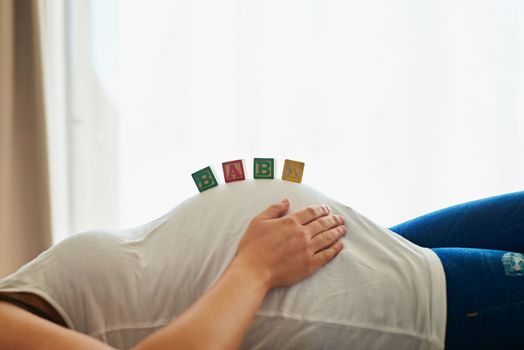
point(263, 168)
point(293, 171)
point(204, 179)
point(233, 171)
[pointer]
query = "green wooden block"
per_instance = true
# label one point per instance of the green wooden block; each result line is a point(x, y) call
point(264, 168)
point(204, 179)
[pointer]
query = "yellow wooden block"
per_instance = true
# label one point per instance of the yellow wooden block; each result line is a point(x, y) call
point(293, 171)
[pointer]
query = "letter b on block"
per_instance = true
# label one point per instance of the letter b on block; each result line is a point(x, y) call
point(264, 168)
point(204, 179)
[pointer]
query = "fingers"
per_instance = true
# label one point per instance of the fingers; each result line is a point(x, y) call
point(324, 256)
point(324, 223)
point(326, 244)
point(311, 213)
point(275, 211)
point(327, 238)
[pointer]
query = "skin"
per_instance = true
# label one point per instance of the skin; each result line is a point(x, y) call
point(277, 250)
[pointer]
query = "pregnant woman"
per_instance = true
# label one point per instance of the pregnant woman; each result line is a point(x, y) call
point(221, 271)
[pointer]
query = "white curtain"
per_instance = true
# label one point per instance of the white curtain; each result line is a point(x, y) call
point(397, 108)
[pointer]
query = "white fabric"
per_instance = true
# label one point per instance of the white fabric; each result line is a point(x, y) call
point(380, 292)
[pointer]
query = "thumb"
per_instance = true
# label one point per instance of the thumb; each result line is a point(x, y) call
point(276, 210)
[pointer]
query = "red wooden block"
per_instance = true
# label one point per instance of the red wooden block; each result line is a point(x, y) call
point(233, 171)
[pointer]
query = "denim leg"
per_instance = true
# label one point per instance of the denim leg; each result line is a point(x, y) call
point(485, 292)
point(490, 223)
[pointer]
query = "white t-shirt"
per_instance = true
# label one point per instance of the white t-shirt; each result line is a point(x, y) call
point(380, 292)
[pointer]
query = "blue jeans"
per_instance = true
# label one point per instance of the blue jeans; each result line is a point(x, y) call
point(480, 245)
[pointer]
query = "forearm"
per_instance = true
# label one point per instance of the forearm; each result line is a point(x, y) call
point(219, 319)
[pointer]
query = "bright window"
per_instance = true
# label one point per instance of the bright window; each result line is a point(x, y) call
point(397, 108)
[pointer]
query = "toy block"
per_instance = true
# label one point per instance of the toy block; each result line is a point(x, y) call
point(293, 171)
point(233, 171)
point(204, 179)
point(264, 168)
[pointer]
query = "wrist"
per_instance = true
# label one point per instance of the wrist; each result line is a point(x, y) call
point(254, 276)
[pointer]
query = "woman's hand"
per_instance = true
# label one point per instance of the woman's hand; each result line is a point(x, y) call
point(284, 249)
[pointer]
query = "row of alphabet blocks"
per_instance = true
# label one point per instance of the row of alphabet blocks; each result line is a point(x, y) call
point(263, 168)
